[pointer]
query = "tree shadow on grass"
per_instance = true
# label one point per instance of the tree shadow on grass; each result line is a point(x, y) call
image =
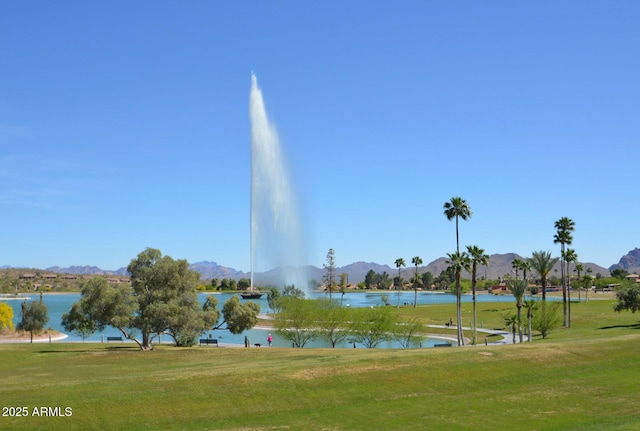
point(93, 349)
point(632, 326)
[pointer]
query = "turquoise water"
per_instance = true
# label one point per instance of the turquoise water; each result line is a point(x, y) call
point(58, 304)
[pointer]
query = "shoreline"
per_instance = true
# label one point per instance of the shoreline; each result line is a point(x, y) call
point(26, 338)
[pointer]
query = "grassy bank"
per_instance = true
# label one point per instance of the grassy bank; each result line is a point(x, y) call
point(584, 378)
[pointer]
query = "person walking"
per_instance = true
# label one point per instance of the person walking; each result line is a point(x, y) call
point(269, 339)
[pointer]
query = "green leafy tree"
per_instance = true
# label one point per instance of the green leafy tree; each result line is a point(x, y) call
point(161, 287)
point(6, 316)
point(244, 284)
point(459, 261)
point(416, 261)
point(332, 320)
point(370, 279)
point(162, 298)
point(457, 208)
point(628, 299)
point(295, 321)
point(399, 264)
point(427, 279)
point(371, 326)
point(34, 316)
point(408, 332)
point(292, 290)
point(619, 273)
point(564, 227)
point(478, 257)
point(78, 322)
point(547, 318)
point(273, 295)
point(239, 316)
point(344, 282)
point(330, 267)
point(518, 289)
point(542, 262)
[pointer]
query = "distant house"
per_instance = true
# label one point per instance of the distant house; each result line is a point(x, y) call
point(633, 277)
point(27, 276)
point(50, 276)
point(69, 277)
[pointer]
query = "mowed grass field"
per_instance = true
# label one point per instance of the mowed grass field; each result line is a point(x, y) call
point(583, 378)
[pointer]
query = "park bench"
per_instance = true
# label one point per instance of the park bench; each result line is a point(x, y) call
point(208, 341)
point(114, 339)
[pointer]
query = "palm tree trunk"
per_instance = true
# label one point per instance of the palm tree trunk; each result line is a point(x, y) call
point(519, 323)
point(568, 298)
point(564, 287)
point(457, 237)
point(459, 309)
point(473, 288)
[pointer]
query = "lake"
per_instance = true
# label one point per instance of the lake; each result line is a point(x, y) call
point(61, 303)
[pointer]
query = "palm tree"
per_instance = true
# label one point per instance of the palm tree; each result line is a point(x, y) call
point(459, 261)
point(531, 305)
point(525, 266)
point(518, 288)
point(457, 208)
point(542, 263)
point(399, 264)
point(586, 290)
point(510, 320)
point(569, 256)
point(477, 258)
point(564, 226)
point(579, 268)
point(516, 264)
point(416, 261)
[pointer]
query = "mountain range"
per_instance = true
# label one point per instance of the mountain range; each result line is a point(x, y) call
point(499, 266)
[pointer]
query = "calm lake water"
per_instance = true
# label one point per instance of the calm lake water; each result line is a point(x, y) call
point(59, 304)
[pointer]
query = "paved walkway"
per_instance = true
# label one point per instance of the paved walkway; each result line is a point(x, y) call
point(507, 337)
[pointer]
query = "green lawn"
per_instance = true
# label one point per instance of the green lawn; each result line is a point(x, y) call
point(583, 378)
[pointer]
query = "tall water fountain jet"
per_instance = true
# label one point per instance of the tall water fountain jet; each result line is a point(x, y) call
point(277, 235)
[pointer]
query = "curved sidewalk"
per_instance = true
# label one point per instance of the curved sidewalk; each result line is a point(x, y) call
point(507, 337)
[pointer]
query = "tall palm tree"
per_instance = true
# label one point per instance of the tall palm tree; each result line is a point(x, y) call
point(579, 268)
point(542, 263)
point(569, 257)
point(416, 261)
point(459, 261)
point(518, 288)
point(586, 290)
point(516, 264)
point(399, 264)
point(564, 226)
point(525, 266)
point(457, 208)
point(478, 257)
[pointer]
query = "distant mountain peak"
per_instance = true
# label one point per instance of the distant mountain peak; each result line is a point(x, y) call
point(629, 262)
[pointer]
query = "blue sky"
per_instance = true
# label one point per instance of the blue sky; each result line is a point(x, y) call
point(124, 125)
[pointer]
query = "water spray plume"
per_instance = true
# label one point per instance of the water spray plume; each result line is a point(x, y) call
point(277, 236)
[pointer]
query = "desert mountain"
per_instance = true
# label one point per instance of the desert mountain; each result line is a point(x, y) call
point(630, 262)
point(499, 266)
